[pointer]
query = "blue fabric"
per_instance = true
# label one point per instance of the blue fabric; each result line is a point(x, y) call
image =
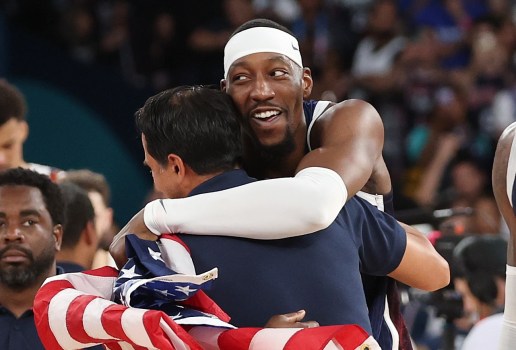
point(258, 279)
point(375, 287)
point(20, 333)
point(514, 196)
point(145, 263)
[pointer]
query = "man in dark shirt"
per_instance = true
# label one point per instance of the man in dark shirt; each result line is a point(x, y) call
point(31, 217)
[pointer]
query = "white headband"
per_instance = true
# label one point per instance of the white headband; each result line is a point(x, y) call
point(260, 39)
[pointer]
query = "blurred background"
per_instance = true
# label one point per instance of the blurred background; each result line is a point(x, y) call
point(440, 72)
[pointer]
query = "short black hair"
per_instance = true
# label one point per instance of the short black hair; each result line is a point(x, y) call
point(198, 123)
point(50, 191)
point(79, 211)
point(261, 22)
point(12, 103)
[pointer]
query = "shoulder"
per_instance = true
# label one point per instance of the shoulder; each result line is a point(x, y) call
point(352, 111)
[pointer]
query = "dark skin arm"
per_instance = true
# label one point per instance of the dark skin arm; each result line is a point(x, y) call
point(137, 226)
point(499, 175)
point(348, 138)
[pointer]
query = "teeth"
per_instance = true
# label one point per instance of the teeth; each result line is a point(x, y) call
point(266, 114)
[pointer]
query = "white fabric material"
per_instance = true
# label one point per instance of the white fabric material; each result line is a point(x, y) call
point(274, 209)
point(508, 327)
point(320, 107)
point(485, 334)
point(511, 167)
point(260, 39)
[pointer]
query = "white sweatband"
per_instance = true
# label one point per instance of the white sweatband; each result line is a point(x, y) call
point(260, 39)
point(508, 334)
point(268, 209)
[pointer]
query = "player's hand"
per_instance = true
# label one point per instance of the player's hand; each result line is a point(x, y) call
point(135, 226)
point(291, 320)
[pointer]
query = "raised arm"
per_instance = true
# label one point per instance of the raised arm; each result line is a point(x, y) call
point(348, 138)
point(503, 176)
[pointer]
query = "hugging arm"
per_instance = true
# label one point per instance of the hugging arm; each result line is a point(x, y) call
point(348, 138)
point(422, 266)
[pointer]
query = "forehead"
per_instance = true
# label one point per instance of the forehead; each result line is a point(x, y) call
point(19, 197)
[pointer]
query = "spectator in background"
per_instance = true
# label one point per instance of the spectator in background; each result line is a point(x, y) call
point(14, 130)
point(481, 284)
point(432, 146)
point(79, 236)
point(99, 193)
point(375, 77)
point(31, 217)
point(207, 40)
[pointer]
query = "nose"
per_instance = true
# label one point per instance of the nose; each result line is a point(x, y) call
point(262, 89)
point(12, 234)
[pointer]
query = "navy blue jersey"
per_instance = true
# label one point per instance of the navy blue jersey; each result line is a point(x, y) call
point(376, 288)
point(319, 273)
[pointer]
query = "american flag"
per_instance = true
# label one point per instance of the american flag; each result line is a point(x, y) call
point(159, 307)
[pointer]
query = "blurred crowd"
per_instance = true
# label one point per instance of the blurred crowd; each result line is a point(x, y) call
point(441, 73)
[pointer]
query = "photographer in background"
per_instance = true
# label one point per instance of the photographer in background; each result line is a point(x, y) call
point(480, 281)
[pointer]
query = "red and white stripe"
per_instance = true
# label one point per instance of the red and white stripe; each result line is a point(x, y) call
point(73, 311)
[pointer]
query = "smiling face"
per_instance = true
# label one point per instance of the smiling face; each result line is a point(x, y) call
point(28, 238)
point(268, 90)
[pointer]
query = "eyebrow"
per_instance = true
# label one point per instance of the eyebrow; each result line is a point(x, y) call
point(23, 213)
point(30, 212)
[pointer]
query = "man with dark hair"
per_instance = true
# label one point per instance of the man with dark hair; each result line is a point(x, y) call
point(14, 130)
point(97, 187)
point(31, 218)
point(329, 152)
point(504, 189)
point(79, 235)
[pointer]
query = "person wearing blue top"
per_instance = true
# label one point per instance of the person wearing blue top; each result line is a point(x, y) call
point(191, 141)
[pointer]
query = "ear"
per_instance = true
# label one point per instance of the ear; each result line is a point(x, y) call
point(223, 85)
point(308, 82)
point(24, 129)
point(57, 234)
point(90, 234)
point(176, 165)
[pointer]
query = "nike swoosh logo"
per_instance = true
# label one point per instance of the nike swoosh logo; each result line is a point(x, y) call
point(295, 47)
point(163, 205)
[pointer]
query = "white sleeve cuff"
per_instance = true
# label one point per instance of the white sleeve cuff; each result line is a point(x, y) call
point(268, 209)
point(508, 333)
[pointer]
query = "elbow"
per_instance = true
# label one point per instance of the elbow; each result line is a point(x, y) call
point(440, 276)
point(320, 219)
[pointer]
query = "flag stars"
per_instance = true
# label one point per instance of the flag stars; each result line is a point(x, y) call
point(155, 255)
point(129, 273)
point(186, 289)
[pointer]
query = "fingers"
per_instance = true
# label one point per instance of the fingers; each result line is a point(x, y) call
point(307, 324)
point(295, 316)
